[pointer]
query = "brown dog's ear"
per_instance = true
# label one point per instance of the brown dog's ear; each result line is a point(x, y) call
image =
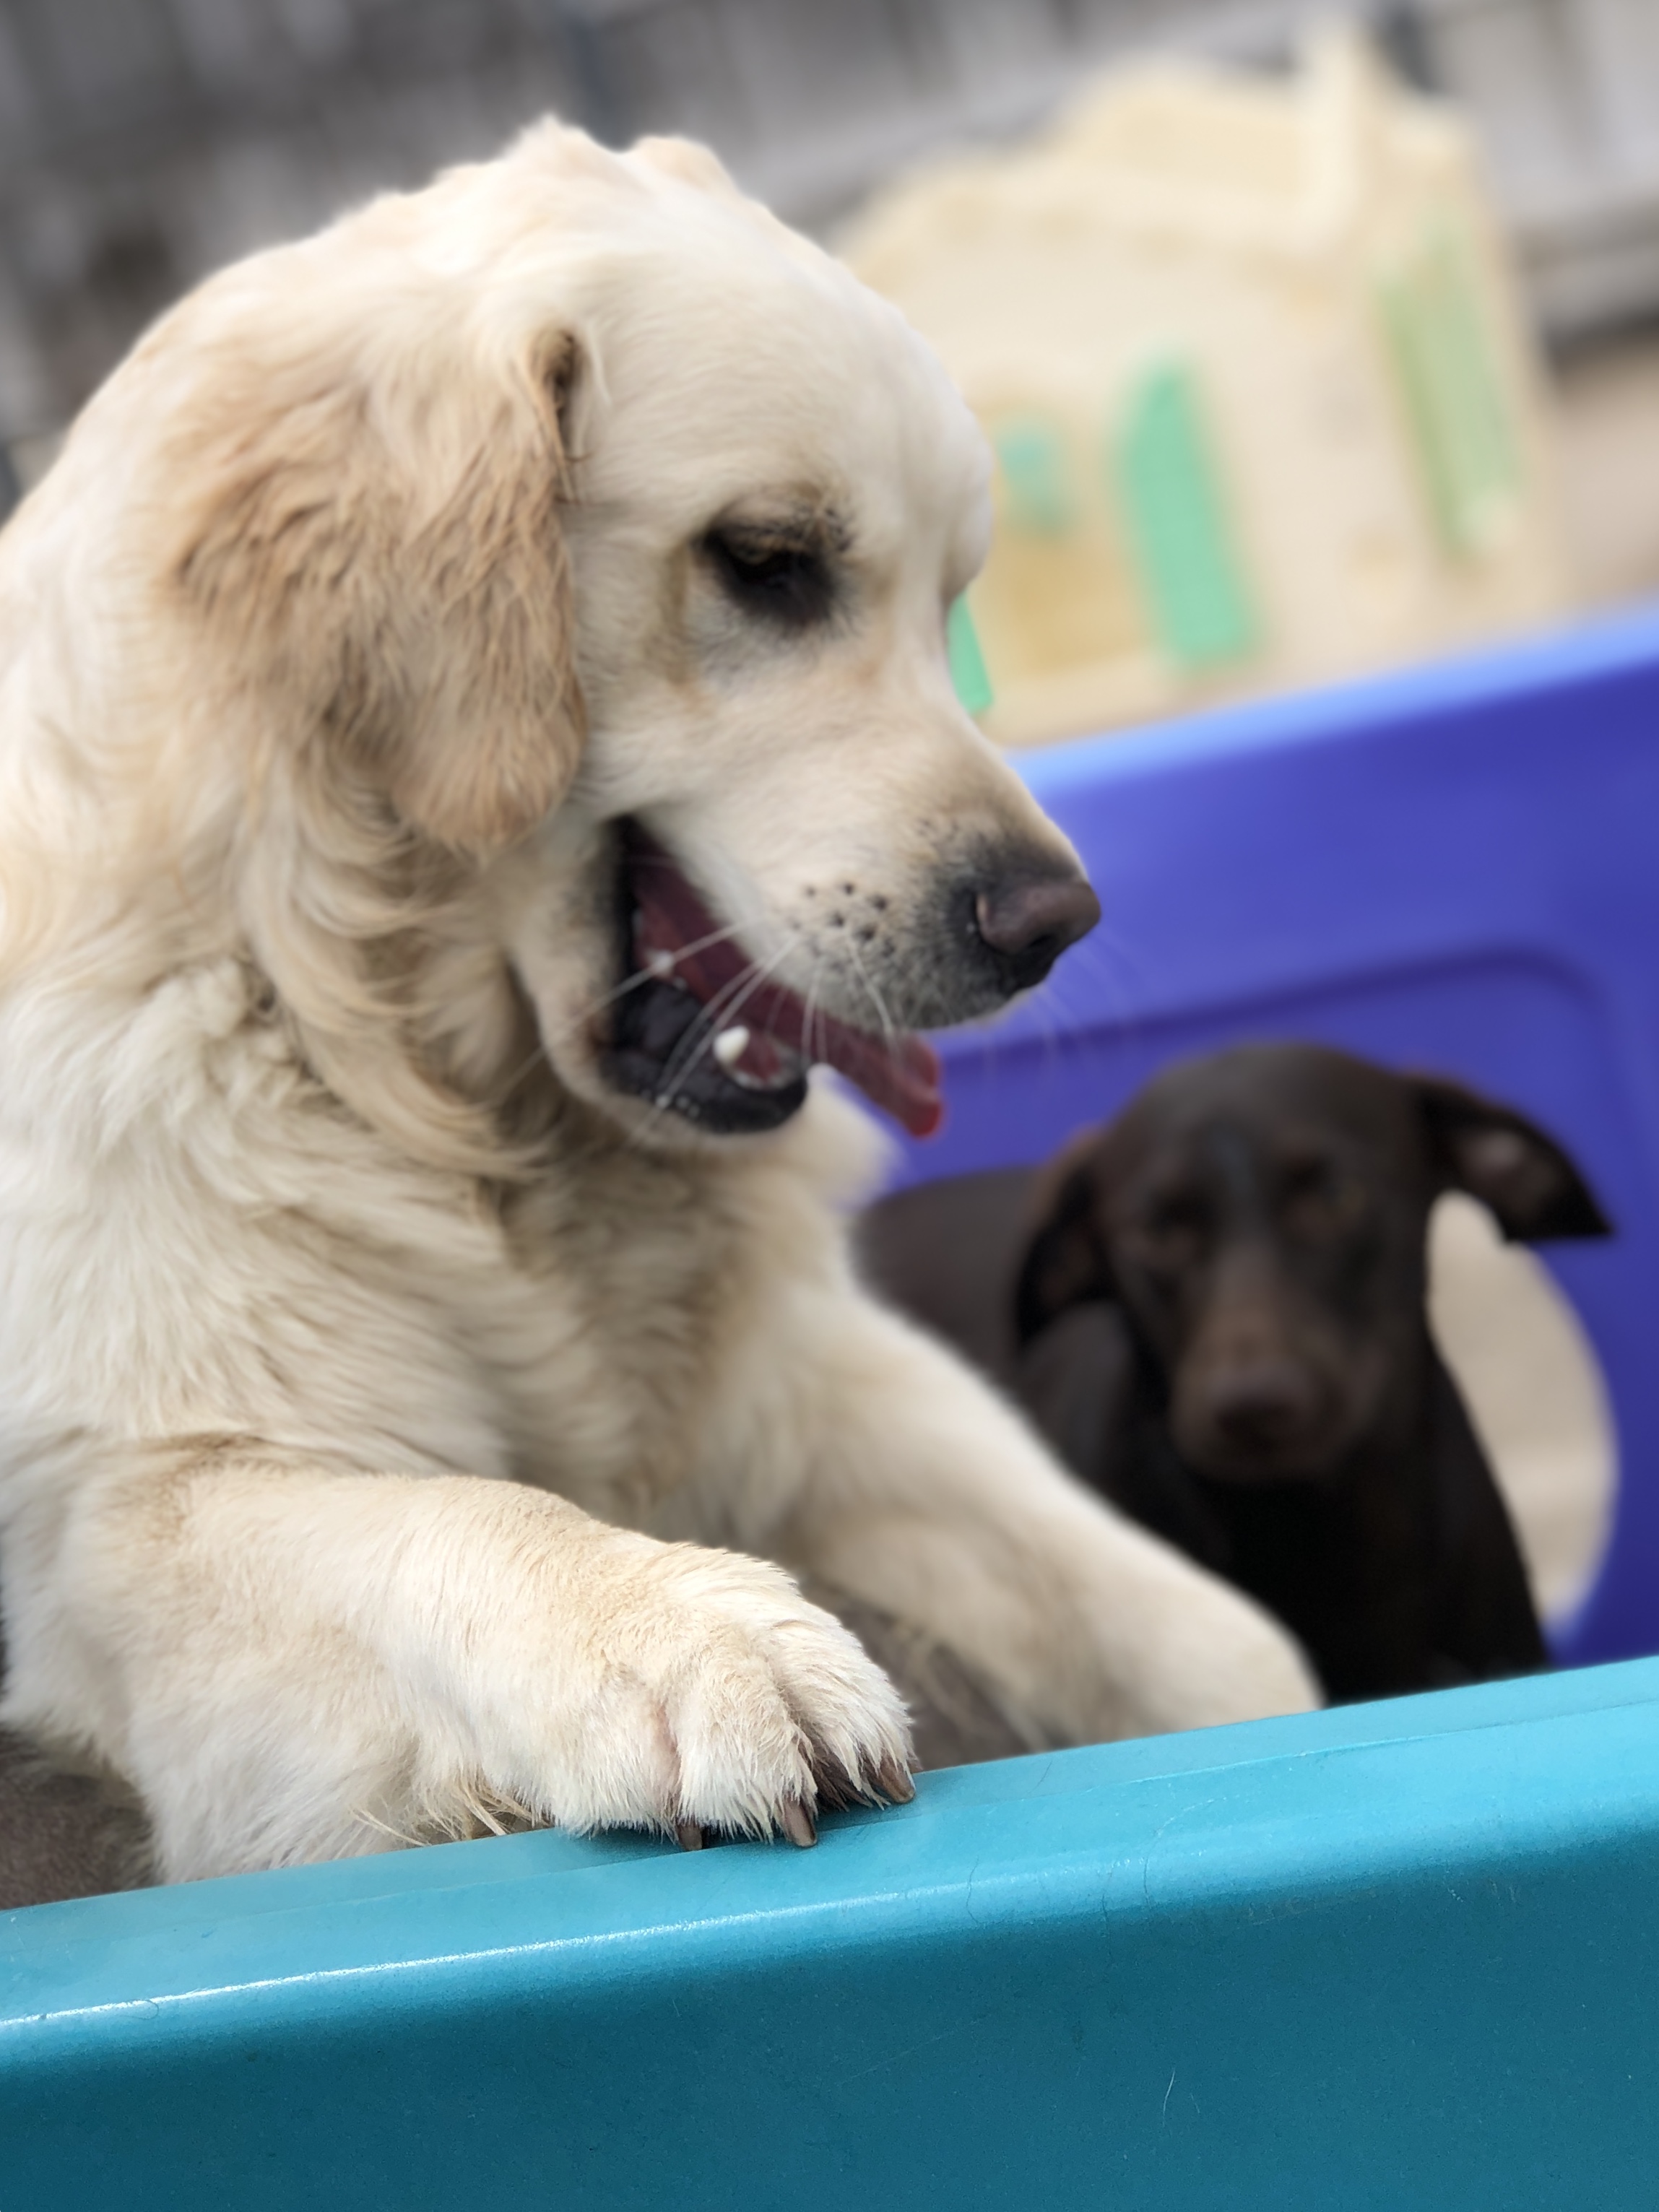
point(1065, 1263)
point(376, 539)
point(1531, 1186)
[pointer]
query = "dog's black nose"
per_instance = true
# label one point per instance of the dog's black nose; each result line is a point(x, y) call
point(1262, 1406)
point(1026, 923)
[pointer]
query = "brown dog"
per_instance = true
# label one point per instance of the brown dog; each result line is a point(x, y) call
point(1215, 1309)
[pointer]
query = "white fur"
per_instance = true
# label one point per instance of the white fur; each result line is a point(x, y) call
point(359, 1346)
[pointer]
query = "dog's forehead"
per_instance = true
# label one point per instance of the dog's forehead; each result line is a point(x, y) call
point(1271, 1098)
point(726, 355)
point(735, 357)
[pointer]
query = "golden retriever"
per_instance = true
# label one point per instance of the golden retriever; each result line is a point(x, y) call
point(475, 728)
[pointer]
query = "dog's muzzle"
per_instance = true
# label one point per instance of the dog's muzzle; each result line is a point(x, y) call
point(700, 1029)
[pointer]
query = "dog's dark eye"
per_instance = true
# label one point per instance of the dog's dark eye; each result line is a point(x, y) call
point(1167, 1237)
point(1324, 1200)
point(780, 580)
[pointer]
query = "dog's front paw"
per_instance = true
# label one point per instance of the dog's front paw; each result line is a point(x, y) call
point(706, 1694)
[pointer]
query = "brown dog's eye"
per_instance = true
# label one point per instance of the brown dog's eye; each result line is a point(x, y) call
point(779, 580)
point(1165, 1238)
point(1325, 1201)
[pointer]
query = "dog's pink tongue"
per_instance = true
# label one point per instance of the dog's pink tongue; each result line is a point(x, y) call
point(675, 935)
point(901, 1074)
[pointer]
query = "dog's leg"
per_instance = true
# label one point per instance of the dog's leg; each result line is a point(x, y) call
point(921, 1491)
point(292, 1663)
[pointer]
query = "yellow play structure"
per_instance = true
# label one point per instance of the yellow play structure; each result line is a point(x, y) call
point(1262, 401)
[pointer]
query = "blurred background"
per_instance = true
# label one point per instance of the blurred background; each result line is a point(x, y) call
point(143, 143)
point(1308, 343)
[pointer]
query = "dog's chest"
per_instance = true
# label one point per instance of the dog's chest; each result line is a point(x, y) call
point(630, 1287)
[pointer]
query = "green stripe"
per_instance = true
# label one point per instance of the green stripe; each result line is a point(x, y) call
point(968, 671)
point(1170, 490)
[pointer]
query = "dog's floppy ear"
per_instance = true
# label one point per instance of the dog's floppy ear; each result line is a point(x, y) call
point(1065, 1263)
point(375, 533)
point(1531, 1186)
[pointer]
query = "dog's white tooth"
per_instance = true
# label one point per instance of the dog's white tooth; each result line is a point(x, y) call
point(731, 1045)
point(661, 962)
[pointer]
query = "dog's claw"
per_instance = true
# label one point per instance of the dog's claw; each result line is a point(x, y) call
point(836, 1788)
point(893, 1780)
point(689, 1834)
point(797, 1824)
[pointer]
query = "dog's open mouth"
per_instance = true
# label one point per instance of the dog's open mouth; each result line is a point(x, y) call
point(700, 1027)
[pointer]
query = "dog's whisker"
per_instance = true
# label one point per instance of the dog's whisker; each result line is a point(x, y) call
point(533, 1059)
point(812, 1015)
point(606, 999)
point(719, 1012)
point(1101, 972)
point(812, 1042)
point(891, 1034)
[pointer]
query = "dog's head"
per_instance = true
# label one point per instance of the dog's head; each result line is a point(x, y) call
point(576, 543)
point(1261, 1215)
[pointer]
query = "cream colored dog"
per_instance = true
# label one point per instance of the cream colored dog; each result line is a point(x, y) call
point(474, 727)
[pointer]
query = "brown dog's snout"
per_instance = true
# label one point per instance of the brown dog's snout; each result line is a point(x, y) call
point(1260, 1405)
point(1253, 1398)
point(1027, 922)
